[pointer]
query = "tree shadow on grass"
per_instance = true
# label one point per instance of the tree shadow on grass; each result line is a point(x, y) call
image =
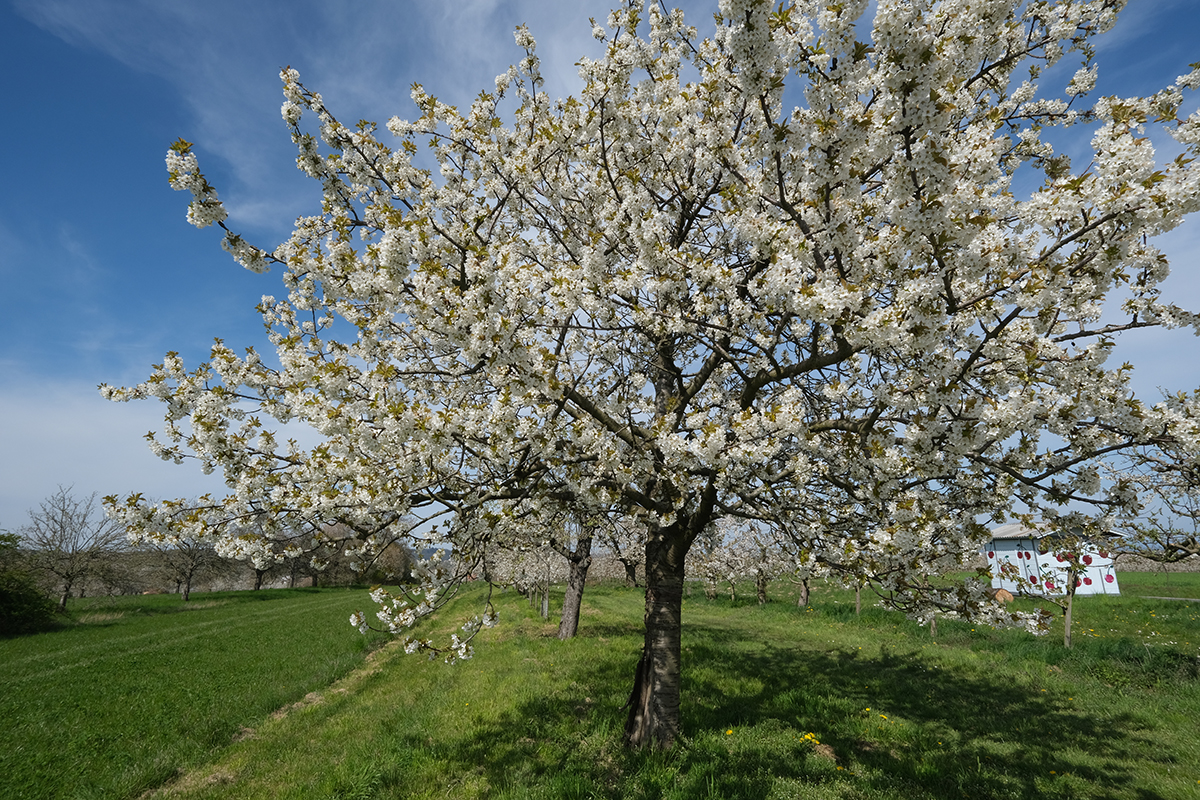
point(1000, 740)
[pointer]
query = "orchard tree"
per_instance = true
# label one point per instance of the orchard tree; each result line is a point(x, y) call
point(784, 273)
point(746, 552)
point(623, 537)
point(1168, 530)
point(183, 553)
point(70, 540)
point(572, 539)
point(530, 570)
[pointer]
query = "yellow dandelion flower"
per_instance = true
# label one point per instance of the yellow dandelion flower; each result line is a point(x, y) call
point(728, 732)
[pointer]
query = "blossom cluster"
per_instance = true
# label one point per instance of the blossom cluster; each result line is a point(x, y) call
point(674, 299)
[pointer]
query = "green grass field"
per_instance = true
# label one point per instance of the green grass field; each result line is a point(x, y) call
point(778, 702)
point(142, 687)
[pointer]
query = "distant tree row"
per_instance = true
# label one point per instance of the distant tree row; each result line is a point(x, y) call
point(70, 548)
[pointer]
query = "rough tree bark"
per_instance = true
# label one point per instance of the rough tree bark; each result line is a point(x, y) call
point(578, 561)
point(654, 702)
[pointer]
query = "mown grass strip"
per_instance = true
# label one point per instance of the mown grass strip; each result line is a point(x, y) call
point(778, 702)
point(112, 707)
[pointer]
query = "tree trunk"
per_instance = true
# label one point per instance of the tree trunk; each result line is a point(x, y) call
point(760, 583)
point(857, 601)
point(187, 588)
point(258, 578)
point(654, 703)
point(1070, 607)
point(803, 601)
point(576, 579)
point(546, 601)
point(62, 603)
point(630, 572)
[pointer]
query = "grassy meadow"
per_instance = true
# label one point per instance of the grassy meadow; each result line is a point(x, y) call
point(277, 697)
point(139, 688)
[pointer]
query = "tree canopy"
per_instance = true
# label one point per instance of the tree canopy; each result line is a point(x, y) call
point(782, 273)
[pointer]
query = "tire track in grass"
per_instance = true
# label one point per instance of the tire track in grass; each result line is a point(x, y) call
point(169, 637)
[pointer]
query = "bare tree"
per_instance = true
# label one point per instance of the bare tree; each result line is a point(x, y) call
point(70, 538)
point(184, 560)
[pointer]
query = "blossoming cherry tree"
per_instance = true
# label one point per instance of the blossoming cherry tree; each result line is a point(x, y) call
point(780, 274)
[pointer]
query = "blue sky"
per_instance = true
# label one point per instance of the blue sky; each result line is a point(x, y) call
point(101, 273)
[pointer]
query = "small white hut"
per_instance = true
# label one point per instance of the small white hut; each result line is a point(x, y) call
point(1032, 553)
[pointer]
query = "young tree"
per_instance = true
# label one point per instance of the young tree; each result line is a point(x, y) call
point(778, 273)
point(755, 552)
point(530, 569)
point(182, 554)
point(623, 538)
point(70, 539)
point(185, 560)
point(708, 559)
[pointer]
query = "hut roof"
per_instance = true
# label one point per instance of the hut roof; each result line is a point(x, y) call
point(1015, 530)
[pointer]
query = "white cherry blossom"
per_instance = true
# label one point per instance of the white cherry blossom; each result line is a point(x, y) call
point(674, 298)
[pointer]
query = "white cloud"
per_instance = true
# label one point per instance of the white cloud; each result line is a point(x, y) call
point(65, 433)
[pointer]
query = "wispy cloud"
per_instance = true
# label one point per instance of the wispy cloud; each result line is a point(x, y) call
point(66, 433)
point(223, 58)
